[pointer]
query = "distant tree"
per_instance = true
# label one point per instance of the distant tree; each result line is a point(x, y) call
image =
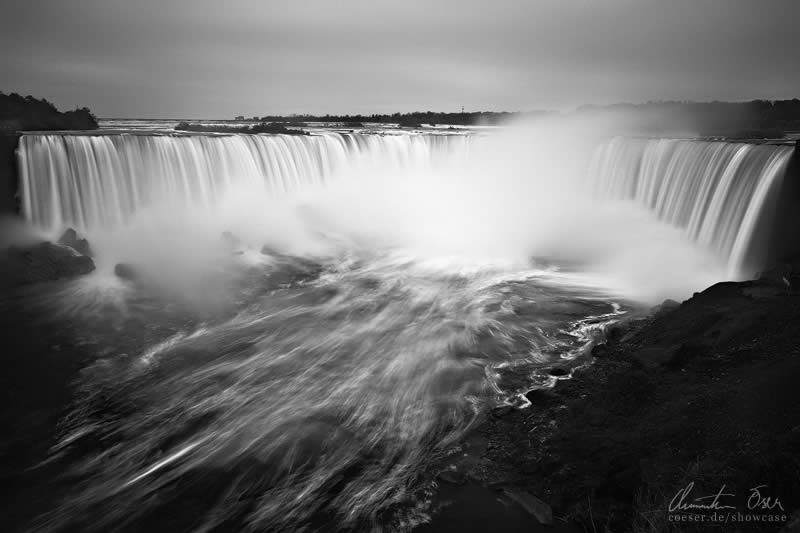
point(262, 127)
point(28, 113)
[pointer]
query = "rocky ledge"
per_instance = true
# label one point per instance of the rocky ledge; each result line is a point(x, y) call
point(45, 261)
point(698, 399)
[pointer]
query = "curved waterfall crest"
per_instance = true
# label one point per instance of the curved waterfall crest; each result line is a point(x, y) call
point(719, 192)
point(88, 181)
point(722, 194)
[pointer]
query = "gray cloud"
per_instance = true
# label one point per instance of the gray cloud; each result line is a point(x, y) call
point(217, 58)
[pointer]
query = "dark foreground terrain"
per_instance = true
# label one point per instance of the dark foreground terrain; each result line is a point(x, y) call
point(686, 420)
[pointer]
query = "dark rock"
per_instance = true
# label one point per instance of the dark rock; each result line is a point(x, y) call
point(656, 356)
point(502, 411)
point(768, 290)
point(672, 357)
point(542, 397)
point(629, 336)
point(43, 262)
point(558, 371)
point(665, 307)
point(670, 304)
point(626, 476)
point(70, 238)
point(532, 504)
point(125, 271)
point(600, 350)
point(268, 250)
point(724, 290)
point(452, 476)
point(688, 350)
point(779, 274)
point(615, 332)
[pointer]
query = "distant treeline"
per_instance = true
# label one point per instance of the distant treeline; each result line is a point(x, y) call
point(20, 113)
point(415, 119)
point(757, 118)
point(263, 127)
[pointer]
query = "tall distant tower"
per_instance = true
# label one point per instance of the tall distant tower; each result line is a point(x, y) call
point(462, 108)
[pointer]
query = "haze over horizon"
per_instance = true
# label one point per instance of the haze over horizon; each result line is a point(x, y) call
point(206, 59)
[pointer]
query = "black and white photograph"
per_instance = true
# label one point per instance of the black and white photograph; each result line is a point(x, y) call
point(399, 266)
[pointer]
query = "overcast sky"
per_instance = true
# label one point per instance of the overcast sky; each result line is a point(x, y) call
point(220, 58)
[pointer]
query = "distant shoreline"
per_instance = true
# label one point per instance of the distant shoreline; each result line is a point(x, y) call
point(751, 119)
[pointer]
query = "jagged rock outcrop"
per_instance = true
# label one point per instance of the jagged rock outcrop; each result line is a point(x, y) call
point(41, 262)
point(70, 238)
point(125, 271)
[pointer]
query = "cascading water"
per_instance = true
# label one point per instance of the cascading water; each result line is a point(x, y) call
point(95, 181)
point(315, 382)
point(717, 191)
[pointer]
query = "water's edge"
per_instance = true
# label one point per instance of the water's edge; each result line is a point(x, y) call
point(663, 404)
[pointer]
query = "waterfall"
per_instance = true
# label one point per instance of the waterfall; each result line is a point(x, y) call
point(719, 192)
point(90, 181)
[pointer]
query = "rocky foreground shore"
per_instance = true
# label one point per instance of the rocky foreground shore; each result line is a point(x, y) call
point(691, 412)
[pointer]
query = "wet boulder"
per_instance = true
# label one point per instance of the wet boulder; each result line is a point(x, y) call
point(232, 243)
point(70, 238)
point(125, 271)
point(542, 397)
point(600, 350)
point(502, 411)
point(42, 262)
point(269, 250)
point(452, 476)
